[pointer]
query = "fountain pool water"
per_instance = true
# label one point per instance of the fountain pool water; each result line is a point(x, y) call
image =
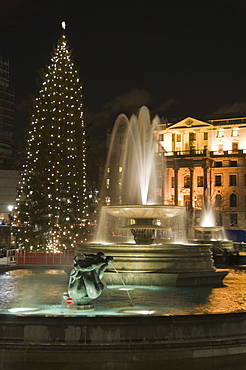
point(19, 296)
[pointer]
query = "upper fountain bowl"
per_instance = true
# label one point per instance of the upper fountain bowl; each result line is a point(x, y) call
point(144, 211)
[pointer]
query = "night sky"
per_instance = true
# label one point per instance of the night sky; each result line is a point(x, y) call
point(179, 57)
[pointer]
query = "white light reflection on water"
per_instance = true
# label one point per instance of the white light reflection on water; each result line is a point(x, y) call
point(29, 287)
point(40, 292)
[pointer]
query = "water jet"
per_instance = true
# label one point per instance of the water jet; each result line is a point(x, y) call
point(208, 232)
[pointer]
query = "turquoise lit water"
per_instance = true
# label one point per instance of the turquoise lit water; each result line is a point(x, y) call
point(40, 292)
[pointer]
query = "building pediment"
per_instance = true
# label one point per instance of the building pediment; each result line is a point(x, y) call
point(188, 123)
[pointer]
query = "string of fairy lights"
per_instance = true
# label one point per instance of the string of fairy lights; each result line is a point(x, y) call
point(52, 200)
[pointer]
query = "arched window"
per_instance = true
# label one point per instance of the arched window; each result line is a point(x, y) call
point(218, 200)
point(233, 200)
point(107, 200)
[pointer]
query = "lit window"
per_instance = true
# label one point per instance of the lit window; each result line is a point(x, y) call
point(221, 133)
point(120, 169)
point(235, 132)
point(108, 169)
point(107, 200)
point(107, 183)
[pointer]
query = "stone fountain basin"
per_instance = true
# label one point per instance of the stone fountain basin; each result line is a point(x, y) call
point(145, 226)
point(158, 264)
point(153, 258)
point(144, 211)
point(208, 228)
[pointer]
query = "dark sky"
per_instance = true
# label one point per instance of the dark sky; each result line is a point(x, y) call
point(178, 57)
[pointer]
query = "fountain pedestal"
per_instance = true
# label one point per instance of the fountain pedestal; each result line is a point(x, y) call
point(143, 230)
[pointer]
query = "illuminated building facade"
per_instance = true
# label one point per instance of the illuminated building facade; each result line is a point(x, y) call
point(207, 155)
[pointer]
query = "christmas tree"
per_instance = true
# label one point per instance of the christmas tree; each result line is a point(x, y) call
point(52, 206)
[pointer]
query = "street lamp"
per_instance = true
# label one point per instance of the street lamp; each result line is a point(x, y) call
point(10, 209)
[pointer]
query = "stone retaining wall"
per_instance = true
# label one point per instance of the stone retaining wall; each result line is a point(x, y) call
point(132, 341)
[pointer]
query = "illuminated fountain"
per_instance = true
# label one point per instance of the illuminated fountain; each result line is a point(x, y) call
point(151, 257)
point(209, 232)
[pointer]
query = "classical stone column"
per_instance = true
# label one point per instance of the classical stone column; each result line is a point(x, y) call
point(176, 190)
point(205, 184)
point(191, 187)
point(205, 178)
